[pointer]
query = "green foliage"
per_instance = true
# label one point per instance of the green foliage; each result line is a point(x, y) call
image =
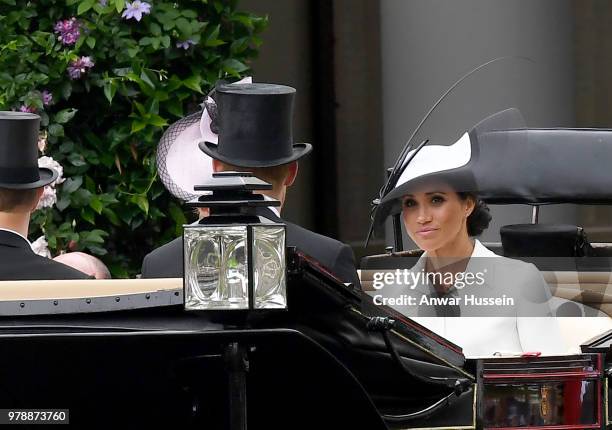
point(103, 127)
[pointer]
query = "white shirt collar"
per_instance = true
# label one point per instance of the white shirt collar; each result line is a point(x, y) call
point(18, 234)
point(274, 209)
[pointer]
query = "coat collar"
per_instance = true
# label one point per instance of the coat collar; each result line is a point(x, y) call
point(479, 251)
point(13, 239)
point(269, 213)
point(274, 209)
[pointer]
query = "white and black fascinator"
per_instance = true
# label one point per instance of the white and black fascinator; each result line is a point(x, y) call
point(180, 163)
point(460, 165)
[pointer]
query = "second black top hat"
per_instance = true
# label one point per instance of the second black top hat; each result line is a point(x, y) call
point(19, 152)
point(255, 126)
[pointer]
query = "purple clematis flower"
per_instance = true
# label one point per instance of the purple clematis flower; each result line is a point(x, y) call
point(185, 44)
point(28, 109)
point(47, 98)
point(68, 31)
point(79, 66)
point(136, 10)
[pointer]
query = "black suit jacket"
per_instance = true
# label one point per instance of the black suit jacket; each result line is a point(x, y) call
point(19, 263)
point(167, 260)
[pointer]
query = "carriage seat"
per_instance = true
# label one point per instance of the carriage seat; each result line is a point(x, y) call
point(544, 240)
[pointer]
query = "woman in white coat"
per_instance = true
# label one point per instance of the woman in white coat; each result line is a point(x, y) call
point(436, 194)
point(445, 223)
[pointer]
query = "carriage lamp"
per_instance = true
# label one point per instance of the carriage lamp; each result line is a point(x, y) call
point(233, 259)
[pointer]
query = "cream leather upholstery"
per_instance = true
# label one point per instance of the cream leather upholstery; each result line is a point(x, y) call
point(73, 289)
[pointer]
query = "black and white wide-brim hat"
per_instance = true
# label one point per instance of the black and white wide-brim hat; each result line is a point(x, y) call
point(470, 164)
point(449, 164)
point(180, 163)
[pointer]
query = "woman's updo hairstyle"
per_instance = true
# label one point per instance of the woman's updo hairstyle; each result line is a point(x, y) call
point(479, 219)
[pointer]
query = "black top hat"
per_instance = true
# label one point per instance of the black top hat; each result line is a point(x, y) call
point(19, 152)
point(255, 126)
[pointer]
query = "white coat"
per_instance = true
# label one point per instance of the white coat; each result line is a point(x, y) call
point(506, 334)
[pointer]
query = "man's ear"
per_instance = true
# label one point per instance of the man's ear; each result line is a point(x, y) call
point(292, 174)
point(216, 165)
point(39, 193)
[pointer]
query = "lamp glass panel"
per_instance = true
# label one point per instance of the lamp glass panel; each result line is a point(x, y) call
point(269, 267)
point(216, 267)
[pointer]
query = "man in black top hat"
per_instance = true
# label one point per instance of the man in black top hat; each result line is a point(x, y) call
point(254, 122)
point(21, 186)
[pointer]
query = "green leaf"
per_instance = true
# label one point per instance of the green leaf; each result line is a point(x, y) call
point(184, 27)
point(81, 197)
point(44, 119)
point(111, 216)
point(175, 107)
point(90, 185)
point(63, 203)
point(142, 202)
point(218, 6)
point(91, 42)
point(146, 79)
point(56, 130)
point(84, 6)
point(233, 66)
point(155, 29)
point(88, 216)
point(77, 159)
point(96, 204)
point(119, 5)
point(239, 45)
point(97, 250)
point(140, 108)
point(193, 83)
point(212, 39)
point(94, 236)
point(177, 214)
point(137, 126)
point(65, 115)
point(110, 88)
point(66, 147)
point(152, 106)
point(157, 121)
point(146, 41)
point(72, 184)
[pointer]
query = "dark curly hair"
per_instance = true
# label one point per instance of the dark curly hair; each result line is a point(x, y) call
point(479, 219)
